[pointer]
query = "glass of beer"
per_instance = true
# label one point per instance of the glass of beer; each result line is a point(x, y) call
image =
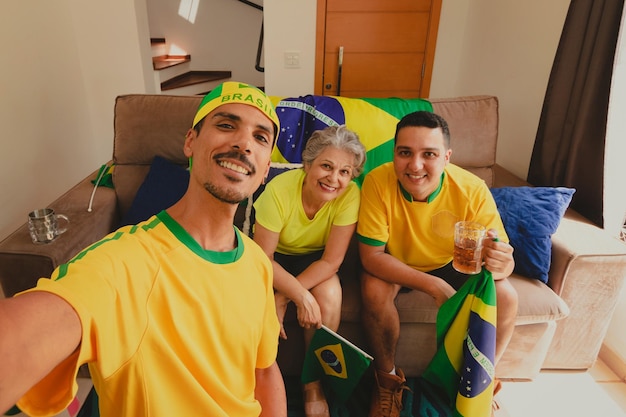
point(468, 247)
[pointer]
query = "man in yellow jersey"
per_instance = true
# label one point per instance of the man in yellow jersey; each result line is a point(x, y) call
point(175, 316)
point(406, 238)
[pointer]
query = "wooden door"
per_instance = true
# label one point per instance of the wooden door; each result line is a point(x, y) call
point(388, 47)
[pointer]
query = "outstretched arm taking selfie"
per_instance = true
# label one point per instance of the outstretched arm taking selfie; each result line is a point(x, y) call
point(38, 330)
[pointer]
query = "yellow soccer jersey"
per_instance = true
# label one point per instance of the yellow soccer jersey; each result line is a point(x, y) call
point(279, 209)
point(169, 329)
point(421, 234)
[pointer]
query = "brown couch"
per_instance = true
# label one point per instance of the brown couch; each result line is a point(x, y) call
point(559, 325)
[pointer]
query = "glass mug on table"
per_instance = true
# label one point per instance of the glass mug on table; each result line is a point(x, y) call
point(43, 225)
point(468, 247)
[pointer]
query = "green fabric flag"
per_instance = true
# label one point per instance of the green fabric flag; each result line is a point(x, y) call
point(373, 119)
point(104, 177)
point(336, 361)
point(463, 367)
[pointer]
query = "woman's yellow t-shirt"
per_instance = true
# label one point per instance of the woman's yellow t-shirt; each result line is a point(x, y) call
point(279, 209)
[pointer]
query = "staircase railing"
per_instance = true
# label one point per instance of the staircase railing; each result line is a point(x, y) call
point(259, 50)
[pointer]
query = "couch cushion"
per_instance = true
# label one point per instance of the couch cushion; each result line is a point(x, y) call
point(164, 185)
point(149, 125)
point(537, 303)
point(473, 123)
point(531, 215)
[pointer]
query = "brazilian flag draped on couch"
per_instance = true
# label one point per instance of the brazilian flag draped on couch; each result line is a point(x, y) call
point(373, 119)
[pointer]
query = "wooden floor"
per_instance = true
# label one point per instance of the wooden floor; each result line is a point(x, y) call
point(595, 393)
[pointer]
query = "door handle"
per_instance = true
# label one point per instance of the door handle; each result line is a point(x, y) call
point(339, 69)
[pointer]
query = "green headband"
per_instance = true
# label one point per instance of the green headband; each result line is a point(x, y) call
point(236, 92)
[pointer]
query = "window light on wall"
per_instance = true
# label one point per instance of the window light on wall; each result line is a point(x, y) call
point(188, 9)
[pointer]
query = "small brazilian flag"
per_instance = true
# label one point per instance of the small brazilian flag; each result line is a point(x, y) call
point(104, 177)
point(463, 367)
point(334, 359)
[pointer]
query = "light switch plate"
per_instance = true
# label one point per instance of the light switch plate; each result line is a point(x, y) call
point(292, 59)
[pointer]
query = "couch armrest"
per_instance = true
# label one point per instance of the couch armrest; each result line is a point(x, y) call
point(587, 270)
point(22, 262)
point(505, 178)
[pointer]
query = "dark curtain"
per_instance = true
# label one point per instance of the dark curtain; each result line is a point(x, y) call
point(569, 147)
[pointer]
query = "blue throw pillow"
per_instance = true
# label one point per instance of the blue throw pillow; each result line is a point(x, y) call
point(164, 185)
point(531, 215)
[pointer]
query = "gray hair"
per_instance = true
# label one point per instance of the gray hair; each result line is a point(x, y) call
point(338, 137)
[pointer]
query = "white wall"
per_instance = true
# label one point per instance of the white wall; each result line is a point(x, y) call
point(62, 67)
point(289, 26)
point(224, 35)
point(505, 48)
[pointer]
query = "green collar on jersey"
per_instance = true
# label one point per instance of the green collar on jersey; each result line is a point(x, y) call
point(408, 197)
point(209, 255)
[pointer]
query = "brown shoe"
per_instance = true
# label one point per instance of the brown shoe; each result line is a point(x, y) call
point(387, 395)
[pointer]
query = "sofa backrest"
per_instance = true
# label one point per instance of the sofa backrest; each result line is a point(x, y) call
point(473, 123)
point(145, 126)
point(148, 125)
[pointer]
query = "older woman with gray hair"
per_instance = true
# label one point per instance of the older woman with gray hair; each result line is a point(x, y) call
point(305, 219)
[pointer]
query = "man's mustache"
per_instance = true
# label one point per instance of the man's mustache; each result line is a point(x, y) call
point(238, 156)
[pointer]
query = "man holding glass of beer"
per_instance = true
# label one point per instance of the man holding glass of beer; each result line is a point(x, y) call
point(409, 208)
